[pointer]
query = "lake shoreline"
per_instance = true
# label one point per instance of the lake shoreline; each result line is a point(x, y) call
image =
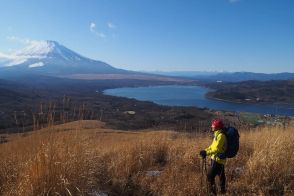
point(197, 96)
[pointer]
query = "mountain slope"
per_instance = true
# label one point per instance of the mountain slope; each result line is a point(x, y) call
point(52, 58)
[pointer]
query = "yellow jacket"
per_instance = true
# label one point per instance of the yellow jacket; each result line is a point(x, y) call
point(219, 145)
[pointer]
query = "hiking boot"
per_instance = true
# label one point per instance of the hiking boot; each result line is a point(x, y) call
point(223, 191)
point(212, 190)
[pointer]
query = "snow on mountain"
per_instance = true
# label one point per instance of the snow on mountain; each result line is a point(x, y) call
point(39, 64)
point(40, 50)
point(37, 49)
point(52, 58)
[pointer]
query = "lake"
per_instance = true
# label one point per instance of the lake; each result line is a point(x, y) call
point(177, 95)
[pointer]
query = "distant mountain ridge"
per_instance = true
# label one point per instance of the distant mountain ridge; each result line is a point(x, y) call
point(229, 76)
point(52, 58)
point(244, 76)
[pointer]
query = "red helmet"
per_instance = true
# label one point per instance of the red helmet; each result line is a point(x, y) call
point(217, 123)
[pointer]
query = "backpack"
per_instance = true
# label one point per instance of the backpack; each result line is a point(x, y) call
point(233, 136)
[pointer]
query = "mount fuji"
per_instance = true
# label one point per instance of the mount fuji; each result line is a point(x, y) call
point(53, 59)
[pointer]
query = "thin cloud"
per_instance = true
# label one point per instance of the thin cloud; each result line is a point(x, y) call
point(93, 30)
point(7, 60)
point(92, 27)
point(111, 25)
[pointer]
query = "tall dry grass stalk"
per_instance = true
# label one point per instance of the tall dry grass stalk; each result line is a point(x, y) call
point(83, 158)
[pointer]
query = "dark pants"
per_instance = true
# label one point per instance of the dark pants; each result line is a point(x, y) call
point(216, 169)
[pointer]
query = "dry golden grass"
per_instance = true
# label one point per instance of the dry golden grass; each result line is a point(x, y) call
point(83, 158)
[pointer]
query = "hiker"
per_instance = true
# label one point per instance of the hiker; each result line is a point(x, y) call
point(217, 152)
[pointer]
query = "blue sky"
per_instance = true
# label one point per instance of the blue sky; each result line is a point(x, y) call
point(166, 35)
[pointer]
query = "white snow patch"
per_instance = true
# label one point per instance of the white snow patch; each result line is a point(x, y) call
point(98, 193)
point(153, 173)
point(39, 64)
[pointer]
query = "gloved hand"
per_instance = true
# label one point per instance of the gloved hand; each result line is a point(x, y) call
point(203, 154)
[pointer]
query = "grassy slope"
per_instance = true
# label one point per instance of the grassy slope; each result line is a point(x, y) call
point(83, 157)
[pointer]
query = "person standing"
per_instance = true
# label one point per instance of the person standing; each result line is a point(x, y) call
point(216, 151)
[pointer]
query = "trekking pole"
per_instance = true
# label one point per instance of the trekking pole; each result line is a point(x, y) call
point(202, 170)
point(204, 167)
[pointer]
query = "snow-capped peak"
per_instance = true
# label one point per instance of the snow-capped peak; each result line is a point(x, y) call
point(50, 57)
point(40, 50)
point(37, 49)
